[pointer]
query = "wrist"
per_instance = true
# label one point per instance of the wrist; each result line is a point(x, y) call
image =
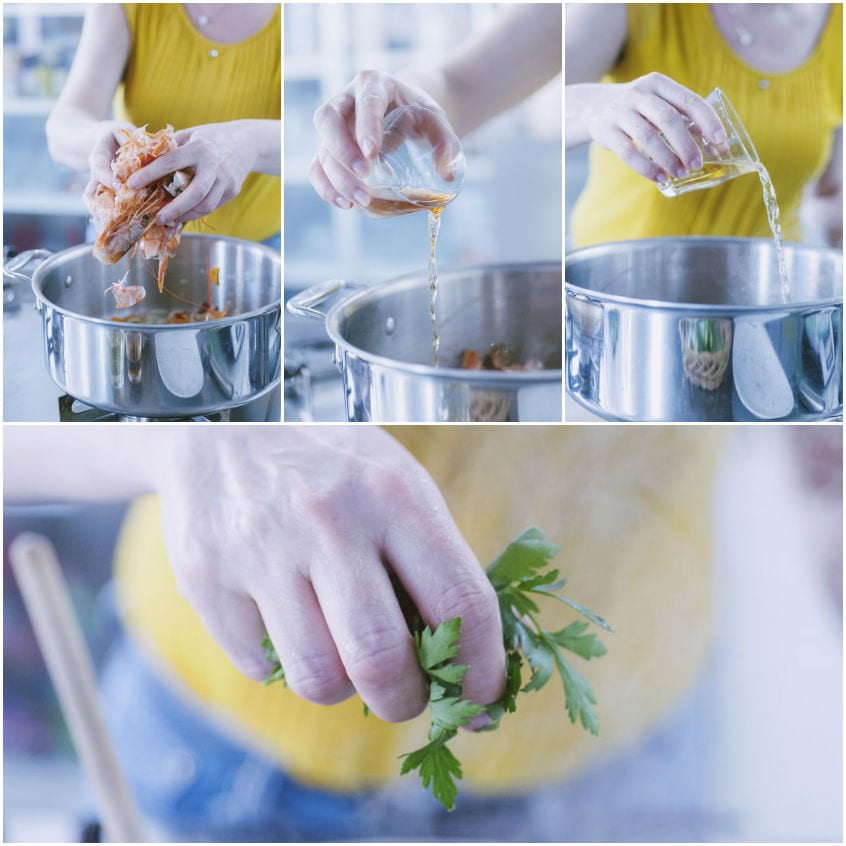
point(263, 140)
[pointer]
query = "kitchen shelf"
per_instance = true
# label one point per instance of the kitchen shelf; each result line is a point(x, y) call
point(44, 10)
point(26, 106)
point(42, 202)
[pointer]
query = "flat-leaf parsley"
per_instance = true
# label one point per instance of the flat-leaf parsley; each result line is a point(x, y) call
point(519, 577)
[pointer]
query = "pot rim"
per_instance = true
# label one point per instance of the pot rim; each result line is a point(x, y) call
point(490, 379)
point(698, 308)
point(57, 259)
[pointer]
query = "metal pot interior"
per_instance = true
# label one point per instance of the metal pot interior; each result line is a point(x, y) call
point(476, 308)
point(734, 272)
point(249, 279)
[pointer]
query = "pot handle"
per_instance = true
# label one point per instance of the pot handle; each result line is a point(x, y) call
point(12, 268)
point(305, 303)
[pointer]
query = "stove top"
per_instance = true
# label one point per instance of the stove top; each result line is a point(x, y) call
point(75, 411)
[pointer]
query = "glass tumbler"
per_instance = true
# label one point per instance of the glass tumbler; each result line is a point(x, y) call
point(720, 162)
point(419, 167)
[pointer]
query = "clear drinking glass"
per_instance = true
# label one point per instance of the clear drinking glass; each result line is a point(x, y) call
point(419, 167)
point(720, 162)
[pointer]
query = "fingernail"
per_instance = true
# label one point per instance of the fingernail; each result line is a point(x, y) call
point(360, 167)
point(162, 220)
point(696, 163)
point(362, 198)
point(341, 203)
point(368, 148)
point(720, 137)
point(681, 173)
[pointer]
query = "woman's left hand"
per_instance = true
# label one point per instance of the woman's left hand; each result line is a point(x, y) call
point(219, 156)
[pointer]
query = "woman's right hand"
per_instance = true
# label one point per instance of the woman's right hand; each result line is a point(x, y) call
point(108, 137)
point(626, 118)
point(349, 127)
point(307, 534)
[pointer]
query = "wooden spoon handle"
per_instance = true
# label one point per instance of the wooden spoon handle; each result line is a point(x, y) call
point(47, 599)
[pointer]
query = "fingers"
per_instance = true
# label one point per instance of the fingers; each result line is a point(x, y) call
point(444, 579)
point(688, 103)
point(303, 642)
point(203, 195)
point(332, 122)
point(657, 127)
point(89, 192)
point(231, 618)
point(656, 154)
point(370, 633)
point(324, 188)
point(373, 95)
point(178, 159)
point(671, 108)
point(345, 183)
point(101, 156)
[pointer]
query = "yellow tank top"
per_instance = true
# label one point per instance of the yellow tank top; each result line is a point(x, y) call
point(172, 78)
point(629, 508)
point(790, 118)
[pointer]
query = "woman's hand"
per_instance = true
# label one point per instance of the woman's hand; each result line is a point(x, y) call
point(627, 119)
point(219, 156)
point(307, 533)
point(108, 136)
point(349, 127)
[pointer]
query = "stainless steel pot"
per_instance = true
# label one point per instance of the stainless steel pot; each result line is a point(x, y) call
point(383, 343)
point(160, 370)
point(695, 329)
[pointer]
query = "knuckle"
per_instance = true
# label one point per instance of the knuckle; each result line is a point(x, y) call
point(191, 576)
point(689, 100)
point(376, 656)
point(471, 598)
point(317, 678)
point(329, 112)
point(368, 78)
point(626, 153)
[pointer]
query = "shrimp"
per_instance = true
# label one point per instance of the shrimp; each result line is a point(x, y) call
point(125, 295)
point(125, 220)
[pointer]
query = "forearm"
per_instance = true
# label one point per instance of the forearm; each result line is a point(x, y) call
point(78, 464)
point(71, 133)
point(267, 137)
point(578, 101)
point(497, 69)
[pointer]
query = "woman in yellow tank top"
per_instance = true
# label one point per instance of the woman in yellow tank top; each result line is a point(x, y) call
point(212, 71)
point(780, 66)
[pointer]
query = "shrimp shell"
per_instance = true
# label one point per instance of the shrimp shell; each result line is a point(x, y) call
point(126, 219)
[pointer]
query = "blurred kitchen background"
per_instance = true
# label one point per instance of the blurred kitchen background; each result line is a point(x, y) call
point(509, 209)
point(42, 201)
point(752, 754)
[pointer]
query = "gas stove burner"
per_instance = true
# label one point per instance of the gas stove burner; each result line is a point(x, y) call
point(72, 410)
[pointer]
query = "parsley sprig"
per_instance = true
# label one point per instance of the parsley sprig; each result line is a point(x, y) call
point(519, 577)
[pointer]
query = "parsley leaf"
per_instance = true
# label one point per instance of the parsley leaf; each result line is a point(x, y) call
point(519, 578)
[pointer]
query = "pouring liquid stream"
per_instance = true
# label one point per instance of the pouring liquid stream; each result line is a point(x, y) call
point(434, 227)
point(402, 201)
point(721, 170)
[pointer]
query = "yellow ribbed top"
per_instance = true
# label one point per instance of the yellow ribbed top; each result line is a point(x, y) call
point(170, 78)
point(790, 118)
point(629, 506)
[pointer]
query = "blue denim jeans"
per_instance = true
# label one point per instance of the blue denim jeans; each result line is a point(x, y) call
point(194, 781)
